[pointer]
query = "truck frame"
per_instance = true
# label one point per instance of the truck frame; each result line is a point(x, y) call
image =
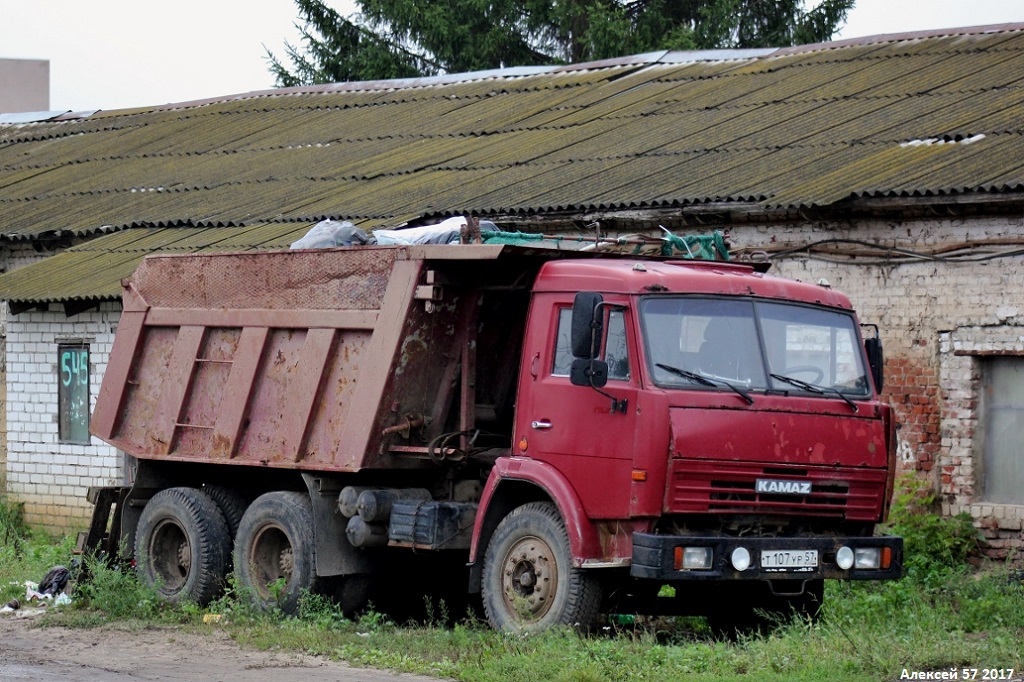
point(559, 432)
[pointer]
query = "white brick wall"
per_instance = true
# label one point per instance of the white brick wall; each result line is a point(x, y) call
point(19, 254)
point(13, 255)
point(51, 477)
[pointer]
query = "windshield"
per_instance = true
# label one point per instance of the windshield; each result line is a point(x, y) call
point(752, 345)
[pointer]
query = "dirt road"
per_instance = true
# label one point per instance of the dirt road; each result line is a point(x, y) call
point(117, 654)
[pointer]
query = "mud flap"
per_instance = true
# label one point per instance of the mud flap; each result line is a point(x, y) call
point(104, 535)
point(335, 555)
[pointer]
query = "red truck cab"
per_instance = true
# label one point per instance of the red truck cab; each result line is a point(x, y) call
point(703, 421)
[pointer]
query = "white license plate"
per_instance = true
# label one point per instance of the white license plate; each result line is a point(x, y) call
point(789, 559)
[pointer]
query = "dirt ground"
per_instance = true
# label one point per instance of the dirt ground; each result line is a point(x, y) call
point(115, 654)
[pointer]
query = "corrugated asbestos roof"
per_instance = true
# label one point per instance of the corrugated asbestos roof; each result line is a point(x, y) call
point(914, 115)
point(94, 270)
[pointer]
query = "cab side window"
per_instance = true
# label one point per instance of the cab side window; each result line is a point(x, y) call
point(563, 349)
point(614, 347)
point(616, 353)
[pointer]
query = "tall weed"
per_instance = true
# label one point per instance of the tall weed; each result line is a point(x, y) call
point(933, 543)
point(26, 555)
point(115, 590)
point(238, 605)
point(13, 529)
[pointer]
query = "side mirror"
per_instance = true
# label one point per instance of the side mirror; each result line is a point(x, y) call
point(587, 325)
point(584, 372)
point(876, 359)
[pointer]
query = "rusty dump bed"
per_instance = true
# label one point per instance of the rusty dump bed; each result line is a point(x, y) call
point(339, 359)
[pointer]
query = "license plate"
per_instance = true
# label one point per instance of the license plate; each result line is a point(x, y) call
point(789, 560)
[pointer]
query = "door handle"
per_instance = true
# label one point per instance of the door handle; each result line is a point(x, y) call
point(544, 424)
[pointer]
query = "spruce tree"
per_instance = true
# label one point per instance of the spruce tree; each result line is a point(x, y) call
point(407, 38)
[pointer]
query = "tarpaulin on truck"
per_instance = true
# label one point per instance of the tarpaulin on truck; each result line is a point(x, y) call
point(689, 247)
point(330, 233)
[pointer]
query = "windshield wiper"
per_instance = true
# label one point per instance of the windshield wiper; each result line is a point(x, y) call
point(706, 381)
point(813, 388)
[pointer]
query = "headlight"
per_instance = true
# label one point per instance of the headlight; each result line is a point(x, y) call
point(740, 559)
point(693, 558)
point(845, 558)
point(867, 557)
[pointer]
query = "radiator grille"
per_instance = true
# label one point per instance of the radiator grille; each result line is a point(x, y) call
point(729, 487)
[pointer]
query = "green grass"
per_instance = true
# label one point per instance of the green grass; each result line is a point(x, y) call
point(868, 632)
point(943, 614)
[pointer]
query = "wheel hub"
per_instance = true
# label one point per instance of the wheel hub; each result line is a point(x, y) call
point(185, 556)
point(171, 554)
point(272, 558)
point(286, 561)
point(529, 578)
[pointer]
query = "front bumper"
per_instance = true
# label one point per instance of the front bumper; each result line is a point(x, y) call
point(654, 557)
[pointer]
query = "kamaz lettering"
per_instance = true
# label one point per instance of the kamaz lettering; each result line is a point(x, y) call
point(767, 485)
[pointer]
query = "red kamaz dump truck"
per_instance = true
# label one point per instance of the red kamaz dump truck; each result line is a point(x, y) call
point(563, 433)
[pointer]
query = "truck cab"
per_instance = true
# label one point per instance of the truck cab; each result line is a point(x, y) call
point(704, 424)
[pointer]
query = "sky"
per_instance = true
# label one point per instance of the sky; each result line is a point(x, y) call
point(114, 54)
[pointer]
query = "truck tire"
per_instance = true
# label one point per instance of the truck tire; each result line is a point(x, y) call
point(230, 502)
point(182, 546)
point(275, 551)
point(350, 593)
point(529, 582)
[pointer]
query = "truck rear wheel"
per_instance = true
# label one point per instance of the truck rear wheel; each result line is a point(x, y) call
point(275, 551)
point(231, 503)
point(529, 582)
point(182, 545)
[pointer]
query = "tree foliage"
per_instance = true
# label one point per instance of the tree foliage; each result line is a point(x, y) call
point(407, 38)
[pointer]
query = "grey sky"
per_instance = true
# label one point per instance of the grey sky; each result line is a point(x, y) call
point(112, 54)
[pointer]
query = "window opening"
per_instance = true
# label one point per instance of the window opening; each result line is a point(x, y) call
point(1002, 411)
point(562, 362)
point(614, 349)
point(73, 392)
point(742, 343)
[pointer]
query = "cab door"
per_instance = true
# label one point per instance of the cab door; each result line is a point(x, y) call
point(574, 428)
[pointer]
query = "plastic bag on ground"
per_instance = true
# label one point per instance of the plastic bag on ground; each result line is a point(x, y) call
point(55, 580)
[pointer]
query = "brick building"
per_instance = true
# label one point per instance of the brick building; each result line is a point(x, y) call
point(892, 167)
point(52, 466)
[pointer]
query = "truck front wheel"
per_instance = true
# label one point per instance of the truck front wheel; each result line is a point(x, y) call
point(275, 551)
point(182, 545)
point(529, 582)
